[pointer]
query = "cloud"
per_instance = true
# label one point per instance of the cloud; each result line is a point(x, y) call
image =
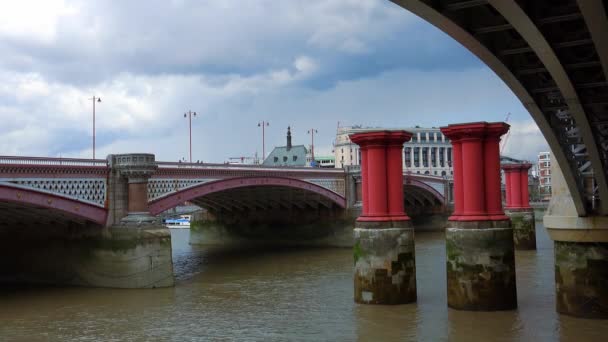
point(304, 63)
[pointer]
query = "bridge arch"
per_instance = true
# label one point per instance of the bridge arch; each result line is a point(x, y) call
point(200, 191)
point(416, 184)
point(513, 41)
point(57, 204)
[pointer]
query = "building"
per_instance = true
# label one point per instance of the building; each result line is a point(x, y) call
point(287, 155)
point(544, 175)
point(325, 161)
point(429, 152)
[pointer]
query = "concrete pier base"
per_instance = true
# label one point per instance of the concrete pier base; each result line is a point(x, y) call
point(385, 265)
point(481, 267)
point(581, 279)
point(524, 228)
point(116, 257)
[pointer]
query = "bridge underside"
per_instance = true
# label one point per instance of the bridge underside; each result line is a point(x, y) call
point(262, 198)
point(420, 201)
point(554, 57)
point(26, 219)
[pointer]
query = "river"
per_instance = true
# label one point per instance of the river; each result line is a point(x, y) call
point(288, 295)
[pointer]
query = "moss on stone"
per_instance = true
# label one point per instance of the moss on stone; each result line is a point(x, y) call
point(358, 252)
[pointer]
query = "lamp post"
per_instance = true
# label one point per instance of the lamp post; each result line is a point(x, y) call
point(95, 99)
point(189, 115)
point(263, 124)
point(312, 132)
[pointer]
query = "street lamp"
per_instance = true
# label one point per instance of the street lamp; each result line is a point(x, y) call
point(190, 114)
point(312, 132)
point(263, 124)
point(95, 99)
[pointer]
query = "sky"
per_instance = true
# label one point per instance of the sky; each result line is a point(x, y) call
point(308, 64)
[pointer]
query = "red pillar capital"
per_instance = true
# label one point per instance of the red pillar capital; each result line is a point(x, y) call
point(516, 185)
point(476, 170)
point(382, 174)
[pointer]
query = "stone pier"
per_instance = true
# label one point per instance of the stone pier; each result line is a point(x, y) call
point(384, 255)
point(144, 258)
point(479, 238)
point(518, 207)
point(581, 254)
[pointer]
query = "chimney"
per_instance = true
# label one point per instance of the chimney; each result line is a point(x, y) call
point(288, 138)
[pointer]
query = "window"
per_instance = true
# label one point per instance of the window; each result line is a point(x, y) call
point(407, 156)
point(423, 137)
point(295, 158)
point(276, 159)
point(416, 156)
point(284, 158)
point(425, 157)
point(443, 173)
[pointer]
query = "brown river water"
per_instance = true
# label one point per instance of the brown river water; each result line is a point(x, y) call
point(288, 295)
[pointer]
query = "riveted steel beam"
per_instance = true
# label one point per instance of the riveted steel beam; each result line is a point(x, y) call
point(434, 16)
point(524, 25)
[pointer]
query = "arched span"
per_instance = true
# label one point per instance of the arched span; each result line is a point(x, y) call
point(414, 182)
point(172, 200)
point(426, 11)
point(20, 195)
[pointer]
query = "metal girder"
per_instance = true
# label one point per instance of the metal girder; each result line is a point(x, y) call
point(571, 66)
point(562, 45)
point(434, 16)
point(465, 4)
point(594, 13)
point(524, 25)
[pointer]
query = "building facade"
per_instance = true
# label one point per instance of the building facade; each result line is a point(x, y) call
point(544, 175)
point(429, 152)
point(288, 155)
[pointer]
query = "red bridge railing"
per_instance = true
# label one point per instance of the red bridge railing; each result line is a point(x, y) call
point(14, 160)
point(210, 166)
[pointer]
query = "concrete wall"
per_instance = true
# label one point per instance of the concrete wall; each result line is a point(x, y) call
point(87, 256)
point(301, 227)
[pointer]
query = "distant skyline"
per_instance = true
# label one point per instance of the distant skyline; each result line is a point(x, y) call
point(301, 63)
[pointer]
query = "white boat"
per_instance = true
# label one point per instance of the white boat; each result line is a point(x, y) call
point(182, 222)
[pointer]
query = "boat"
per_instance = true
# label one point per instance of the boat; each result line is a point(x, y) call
point(182, 222)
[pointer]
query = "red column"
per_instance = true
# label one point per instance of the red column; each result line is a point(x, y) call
point(525, 196)
point(364, 181)
point(382, 174)
point(493, 192)
point(508, 185)
point(378, 200)
point(516, 187)
point(473, 176)
point(395, 181)
point(457, 166)
point(477, 193)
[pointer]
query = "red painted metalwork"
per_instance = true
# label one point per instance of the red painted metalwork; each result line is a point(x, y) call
point(382, 174)
point(365, 185)
point(516, 186)
point(476, 170)
point(17, 194)
point(493, 192)
point(174, 199)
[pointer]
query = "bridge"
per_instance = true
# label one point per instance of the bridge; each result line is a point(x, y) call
point(35, 190)
point(553, 55)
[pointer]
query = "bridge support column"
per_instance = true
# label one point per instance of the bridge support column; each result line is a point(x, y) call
point(136, 252)
point(518, 205)
point(479, 239)
point(385, 266)
point(581, 254)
